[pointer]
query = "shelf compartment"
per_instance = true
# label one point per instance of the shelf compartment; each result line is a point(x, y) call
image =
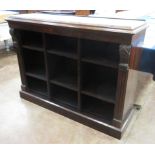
point(63, 71)
point(37, 86)
point(101, 53)
point(64, 96)
point(34, 63)
point(99, 82)
point(97, 109)
point(32, 40)
point(62, 46)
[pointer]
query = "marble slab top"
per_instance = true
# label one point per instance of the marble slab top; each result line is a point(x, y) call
point(110, 23)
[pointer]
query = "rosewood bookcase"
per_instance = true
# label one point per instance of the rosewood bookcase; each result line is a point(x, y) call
point(80, 71)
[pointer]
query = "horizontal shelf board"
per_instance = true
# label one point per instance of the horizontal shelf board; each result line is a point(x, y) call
point(100, 61)
point(67, 54)
point(38, 90)
point(65, 80)
point(37, 72)
point(103, 98)
point(35, 75)
point(39, 94)
point(32, 47)
point(65, 85)
point(68, 103)
point(101, 91)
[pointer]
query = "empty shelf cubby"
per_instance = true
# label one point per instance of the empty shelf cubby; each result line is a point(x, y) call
point(32, 40)
point(99, 52)
point(99, 82)
point(39, 87)
point(34, 63)
point(63, 71)
point(97, 109)
point(62, 45)
point(64, 96)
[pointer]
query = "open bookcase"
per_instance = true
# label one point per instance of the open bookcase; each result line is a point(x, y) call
point(83, 74)
point(80, 74)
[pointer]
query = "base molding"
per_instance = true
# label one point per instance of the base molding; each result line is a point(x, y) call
point(117, 123)
point(77, 116)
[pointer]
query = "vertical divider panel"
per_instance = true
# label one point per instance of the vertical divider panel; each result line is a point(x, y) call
point(46, 65)
point(79, 72)
point(18, 45)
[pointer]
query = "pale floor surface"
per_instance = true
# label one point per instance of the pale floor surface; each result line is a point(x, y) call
point(24, 122)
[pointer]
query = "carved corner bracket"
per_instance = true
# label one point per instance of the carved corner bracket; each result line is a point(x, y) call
point(124, 53)
point(15, 37)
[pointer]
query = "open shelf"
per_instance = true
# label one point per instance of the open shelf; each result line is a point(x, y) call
point(97, 109)
point(62, 46)
point(33, 48)
point(34, 64)
point(101, 53)
point(64, 96)
point(32, 40)
point(37, 86)
point(99, 82)
point(63, 71)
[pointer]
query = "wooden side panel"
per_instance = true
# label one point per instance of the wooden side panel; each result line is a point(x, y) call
point(136, 50)
point(130, 96)
point(135, 58)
